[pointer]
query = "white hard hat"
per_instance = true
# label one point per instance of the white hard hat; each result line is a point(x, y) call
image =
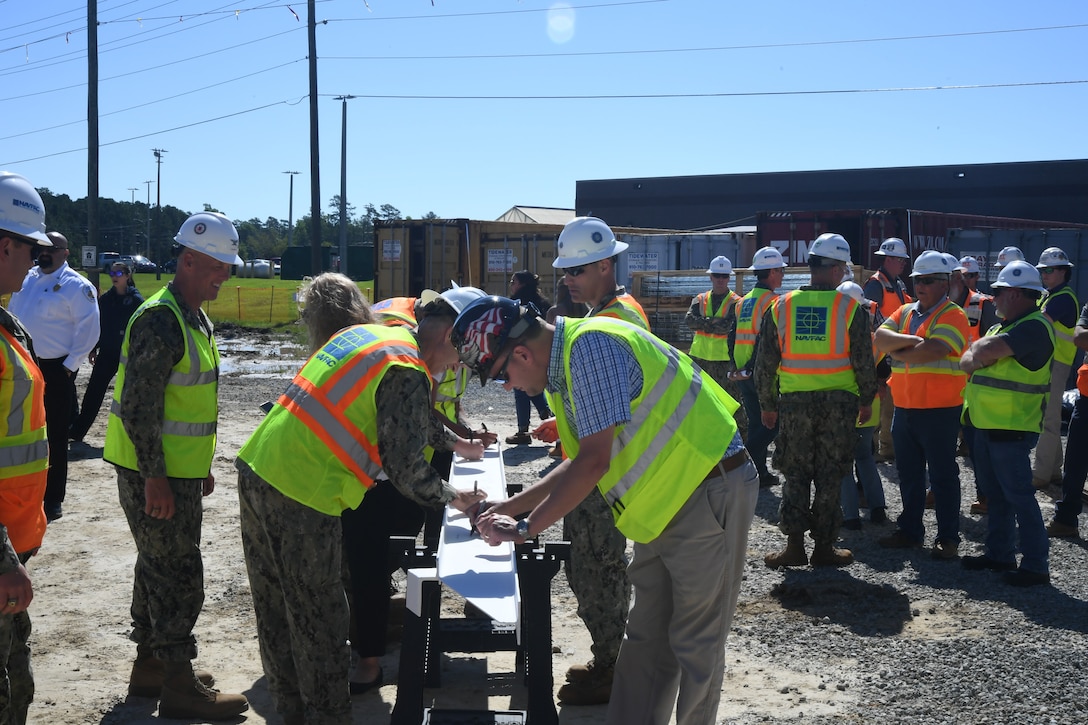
point(953, 263)
point(852, 289)
point(767, 258)
point(21, 209)
point(932, 262)
point(1053, 257)
point(969, 265)
point(210, 233)
point(893, 247)
point(830, 246)
point(848, 273)
point(1009, 254)
point(1020, 274)
point(586, 239)
point(459, 297)
point(720, 265)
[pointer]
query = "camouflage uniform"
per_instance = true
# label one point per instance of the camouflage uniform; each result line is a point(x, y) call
point(817, 434)
point(16, 676)
point(168, 587)
point(719, 369)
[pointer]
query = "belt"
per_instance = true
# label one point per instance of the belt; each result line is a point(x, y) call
point(726, 465)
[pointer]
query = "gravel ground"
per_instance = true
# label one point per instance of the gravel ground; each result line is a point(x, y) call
point(897, 637)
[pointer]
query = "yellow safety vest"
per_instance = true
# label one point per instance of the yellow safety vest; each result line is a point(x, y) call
point(750, 311)
point(1006, 395)
point(706, 345)
point(681, 424)
point(814, 336)
point(446, 394)
point(319, 443)
point(24, 450)
point(1064, 349)
point(191, 407)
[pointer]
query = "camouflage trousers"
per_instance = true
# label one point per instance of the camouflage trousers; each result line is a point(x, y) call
point(168, 583)
point(718, 370)
point(16, 675)
point(815, 449)
point(597, 573)
point(293, 559)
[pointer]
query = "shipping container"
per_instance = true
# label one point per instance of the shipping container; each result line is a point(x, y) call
point(985, 244)
point(793, 232)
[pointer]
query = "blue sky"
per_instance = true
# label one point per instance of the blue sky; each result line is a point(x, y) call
point(621, 88)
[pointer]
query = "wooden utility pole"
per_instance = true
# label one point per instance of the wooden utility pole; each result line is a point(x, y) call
point(315, 155)
point(92, 123)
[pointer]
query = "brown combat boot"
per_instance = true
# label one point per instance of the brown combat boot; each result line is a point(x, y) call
point(185, 697)
point(593, 689)
point(825, 554)
point(792, 555)
point(148, 673)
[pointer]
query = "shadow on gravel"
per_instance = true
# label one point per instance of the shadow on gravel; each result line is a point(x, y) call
point(1045, 606)
point(518, 455)
point(867, 610)
point(768, 503)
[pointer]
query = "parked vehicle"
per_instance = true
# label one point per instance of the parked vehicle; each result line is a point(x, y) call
point(106, 260)
point(139, 263)
point(257, 268)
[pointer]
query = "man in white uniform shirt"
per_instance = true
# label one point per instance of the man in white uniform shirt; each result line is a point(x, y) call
point(59, 308)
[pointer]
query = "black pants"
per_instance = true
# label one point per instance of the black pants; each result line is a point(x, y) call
point(384, 512)
point(60, 389)
point(105, 367)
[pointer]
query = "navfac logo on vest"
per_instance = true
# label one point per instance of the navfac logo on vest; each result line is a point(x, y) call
point(811, 323)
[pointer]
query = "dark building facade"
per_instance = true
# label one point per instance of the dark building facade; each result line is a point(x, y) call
point(1055, 191)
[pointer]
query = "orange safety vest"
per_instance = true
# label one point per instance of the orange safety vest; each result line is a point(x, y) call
point(708, 345)
point(895, 294)
point(24, 449)
point(972, 307)
point(937, 384)
point(395, 312)
point(624, 307)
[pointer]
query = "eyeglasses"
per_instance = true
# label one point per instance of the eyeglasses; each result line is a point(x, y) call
point(576, 271)
point(501, 375)
point(1050, 270)
point(929, 280)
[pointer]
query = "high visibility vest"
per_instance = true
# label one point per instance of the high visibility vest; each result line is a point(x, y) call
point(319, 443)
point(895, 293)
point(937, 384)
point(1064, 349)
point(681, 424)
point(24, 450)
point(191, 405)
point(1006, 395)
point(624, 307)
point(972, 307)
point(707, 345)
point(750, 310)
point(395, 312)
point(814, 336)
point(446, 394)
point(874, 419)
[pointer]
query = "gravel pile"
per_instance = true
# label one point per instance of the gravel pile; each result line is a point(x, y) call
point(897, 637)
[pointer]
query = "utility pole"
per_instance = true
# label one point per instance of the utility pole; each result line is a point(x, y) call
point(291, 209)
point(315, 155)
point(92, 125)
point(344, 184)
point(149, 183)
point(133, 189)
point(158, 192)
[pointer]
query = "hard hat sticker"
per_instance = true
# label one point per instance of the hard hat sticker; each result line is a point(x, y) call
point(200, 228)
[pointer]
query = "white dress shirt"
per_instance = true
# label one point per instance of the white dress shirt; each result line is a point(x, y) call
point(60, 310)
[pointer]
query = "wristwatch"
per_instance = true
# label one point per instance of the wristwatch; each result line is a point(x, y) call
point(522, 527)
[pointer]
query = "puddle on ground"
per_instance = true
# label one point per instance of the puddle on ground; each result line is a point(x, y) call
point(242, 357)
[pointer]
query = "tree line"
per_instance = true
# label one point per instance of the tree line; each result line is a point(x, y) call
point(124, 227)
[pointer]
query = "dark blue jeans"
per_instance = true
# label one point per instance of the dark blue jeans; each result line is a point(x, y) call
point(1076, 465)
point(759, 435)
point(522, 403)
point(1003, 468)
point(867, 475)
point(928, 437)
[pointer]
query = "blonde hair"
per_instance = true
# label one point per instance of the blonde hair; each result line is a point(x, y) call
point(329, 304)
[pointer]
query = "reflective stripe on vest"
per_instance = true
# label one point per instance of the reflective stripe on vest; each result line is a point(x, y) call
point(814, 336)
point(319, 443)
point(190, 405)
point(935, 384)
point(972, 307)
point(707, 345)
point(624, 307)
point(895, 295)
point(681, 424)
point(24, 450)
point(1064, 349)
point(1006, 395)
point(750, 311)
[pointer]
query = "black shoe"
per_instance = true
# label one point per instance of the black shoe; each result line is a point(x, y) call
point(878, 515)
point(898, 540)
point(53, 511)
point(852, 524)
point(979, 562)
point(358, 688)
point(1025, 578)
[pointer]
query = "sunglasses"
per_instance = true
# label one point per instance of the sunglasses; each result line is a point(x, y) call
point(1050, 270)
point(971, 275)
point(576, 271)
point(118, 273)
point(501, 375)
point(715, 275)
point(929, 280)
